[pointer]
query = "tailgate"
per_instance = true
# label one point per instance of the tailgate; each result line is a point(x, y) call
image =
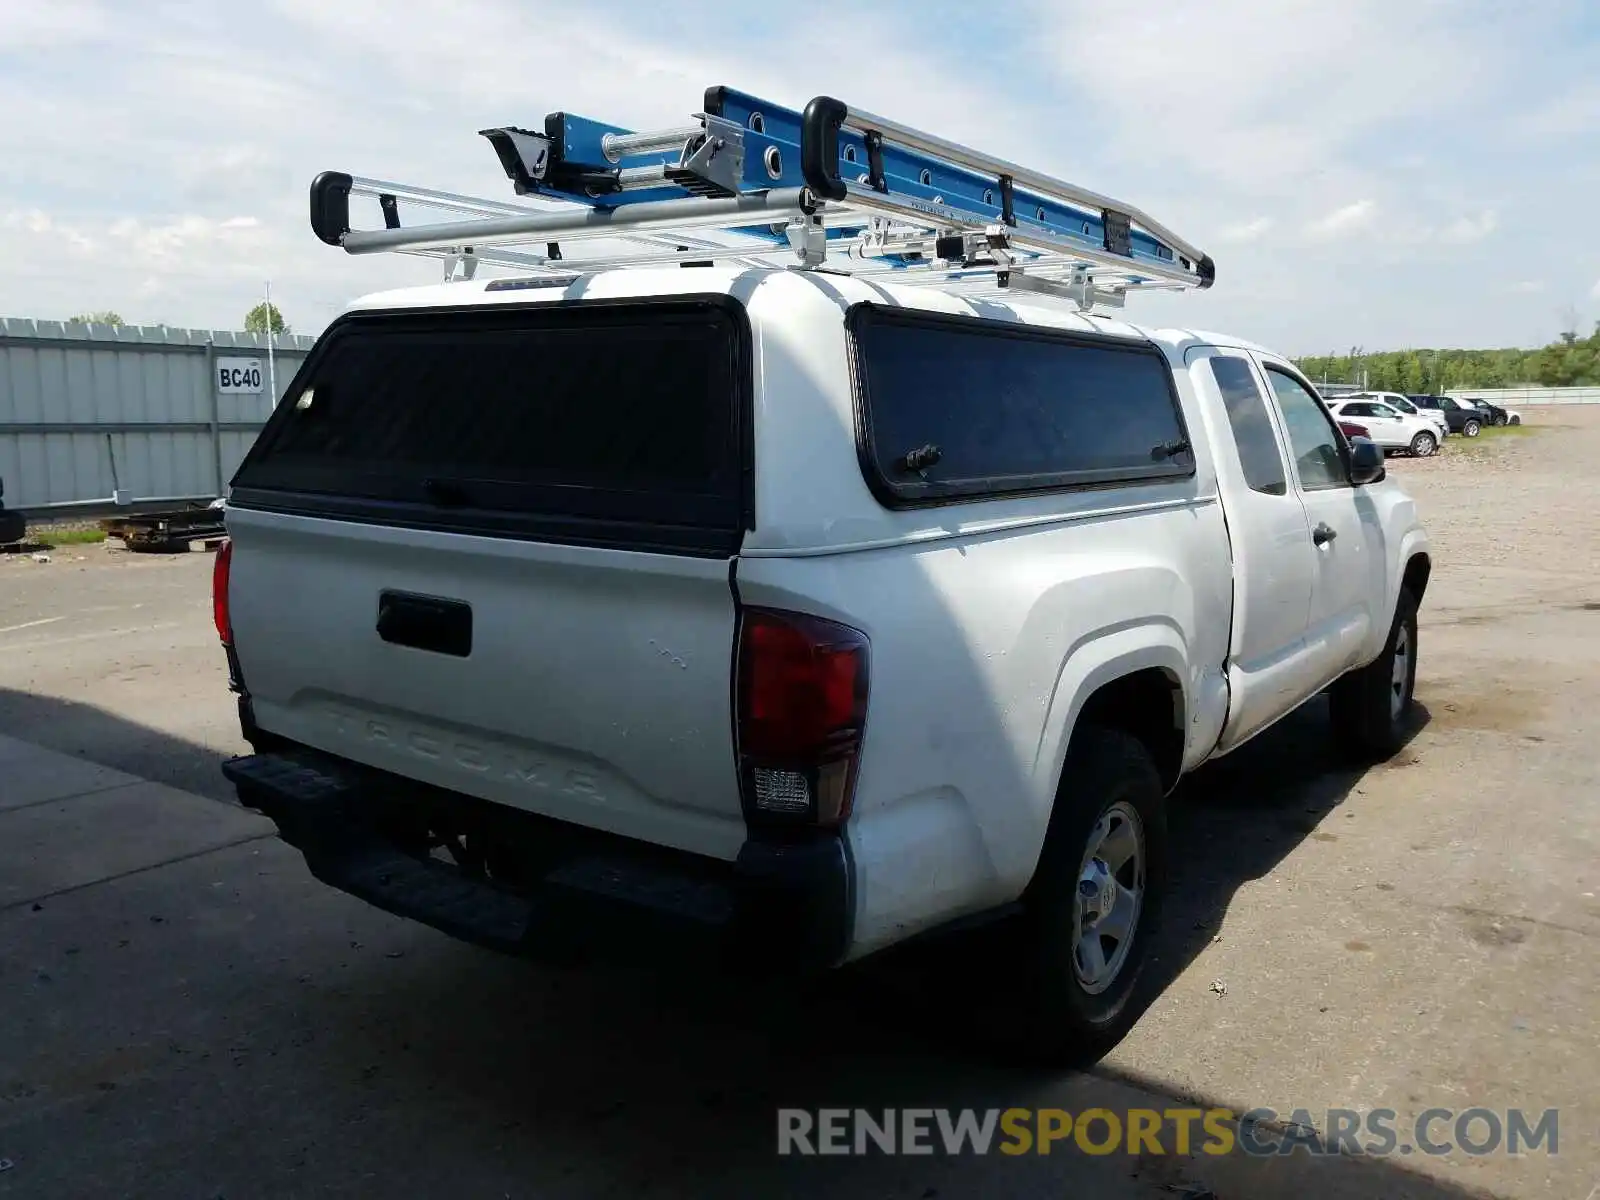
point(490, 549)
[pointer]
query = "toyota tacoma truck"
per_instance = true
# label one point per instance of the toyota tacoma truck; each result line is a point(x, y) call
point(759, 608)
point(769, 618)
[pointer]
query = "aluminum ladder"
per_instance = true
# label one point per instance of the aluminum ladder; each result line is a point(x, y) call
point(756, 184)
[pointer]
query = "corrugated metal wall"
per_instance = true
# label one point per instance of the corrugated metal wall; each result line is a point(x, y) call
point(1511, 397)
point(86, 410)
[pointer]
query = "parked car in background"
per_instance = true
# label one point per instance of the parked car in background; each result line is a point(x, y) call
point(13, 525)
point(1391, 428)
point(1405, 405)
point(1463, 416)
point(1494, 413)
point(1459, 418)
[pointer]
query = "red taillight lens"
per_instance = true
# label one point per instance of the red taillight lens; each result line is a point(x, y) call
point(802, 707)
point(220, 571)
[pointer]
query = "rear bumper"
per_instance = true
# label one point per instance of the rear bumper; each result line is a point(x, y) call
point(560, 890)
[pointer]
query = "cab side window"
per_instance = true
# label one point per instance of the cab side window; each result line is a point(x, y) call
point(1312, 435)
point(1252, 426)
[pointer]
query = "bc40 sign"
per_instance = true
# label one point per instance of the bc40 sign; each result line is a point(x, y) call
point(237, 375)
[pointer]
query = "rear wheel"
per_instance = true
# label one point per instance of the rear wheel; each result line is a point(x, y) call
point(1424, 444)
point(1371, 706)
point(1500, 420)
point(1516, 420)
point(1470, 429)
point(1094, 901)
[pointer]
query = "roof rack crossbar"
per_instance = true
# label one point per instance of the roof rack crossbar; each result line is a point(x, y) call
point(827, 186)
point(663, 214)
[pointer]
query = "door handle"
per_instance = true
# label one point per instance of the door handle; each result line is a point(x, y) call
point(1323, 533)
point(425, 623)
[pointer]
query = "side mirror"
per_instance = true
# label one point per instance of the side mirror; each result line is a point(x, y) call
point(1366, 461)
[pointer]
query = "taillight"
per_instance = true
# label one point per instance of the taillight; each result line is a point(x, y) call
point(220, 570)
point(802, 709)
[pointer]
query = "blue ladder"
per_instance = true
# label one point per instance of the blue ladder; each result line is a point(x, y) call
point(829, 185)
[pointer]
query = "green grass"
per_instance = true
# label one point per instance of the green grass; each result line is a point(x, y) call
point(66, 537)
point(1489, 439)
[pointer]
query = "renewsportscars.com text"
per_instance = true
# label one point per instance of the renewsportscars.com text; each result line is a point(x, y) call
point(1216, 1131)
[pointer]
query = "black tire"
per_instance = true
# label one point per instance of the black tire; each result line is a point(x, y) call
point(1516, 420)
point(1500, 420)
point(1470, 429)
point(13, 526)
point(1064, 1022)
point(1424, 444)
point(1370, 720)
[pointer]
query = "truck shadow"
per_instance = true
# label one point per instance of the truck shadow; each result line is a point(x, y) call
point(620, 1081)
point(1231, 822)
point(1237, 818)
point(102, 737)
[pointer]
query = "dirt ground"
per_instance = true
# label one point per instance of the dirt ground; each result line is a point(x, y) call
point(188, 1014)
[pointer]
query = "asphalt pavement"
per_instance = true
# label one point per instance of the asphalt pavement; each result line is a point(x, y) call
point(189, 1014)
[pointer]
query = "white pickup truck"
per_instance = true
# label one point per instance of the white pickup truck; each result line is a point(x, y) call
point(786, 615)
point(813, 612)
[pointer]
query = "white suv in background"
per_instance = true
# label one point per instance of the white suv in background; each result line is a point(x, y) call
point(1406, 405)
point(1389, 427)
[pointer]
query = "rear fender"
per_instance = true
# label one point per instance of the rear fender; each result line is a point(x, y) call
point(1102, 658)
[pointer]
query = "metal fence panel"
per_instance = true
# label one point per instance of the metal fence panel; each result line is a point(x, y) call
point(89, 412)
point(1511, 397)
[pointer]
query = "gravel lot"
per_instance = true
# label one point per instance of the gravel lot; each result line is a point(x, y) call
point(188, 1014)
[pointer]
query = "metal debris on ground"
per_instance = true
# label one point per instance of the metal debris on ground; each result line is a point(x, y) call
point(1219, 987)
point(41, 558)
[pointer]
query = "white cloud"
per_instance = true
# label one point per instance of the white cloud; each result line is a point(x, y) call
point(1350, 218)
point(237, 243)
point(1575, 112)
point(1470, 229)
point(198, 118)
point(26, 26)
point(1260, 94)
point(158, 156)
point(1527, 287)
point(37, 224)
point(1246, 231)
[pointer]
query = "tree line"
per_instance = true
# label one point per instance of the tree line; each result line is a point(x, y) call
point(257, 320)
point(1572, 361)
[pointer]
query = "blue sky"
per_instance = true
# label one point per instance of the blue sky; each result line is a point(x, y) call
point(1382, 173)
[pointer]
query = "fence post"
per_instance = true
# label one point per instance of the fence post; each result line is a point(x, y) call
point(215, 410)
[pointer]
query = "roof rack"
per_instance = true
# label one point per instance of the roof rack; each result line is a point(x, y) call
point(754, 183)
